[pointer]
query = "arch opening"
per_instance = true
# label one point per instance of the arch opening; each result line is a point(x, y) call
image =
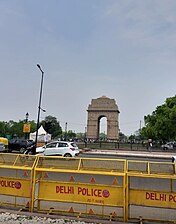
point(102, 128)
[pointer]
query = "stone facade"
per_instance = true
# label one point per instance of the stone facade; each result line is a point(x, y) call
point(103, 107)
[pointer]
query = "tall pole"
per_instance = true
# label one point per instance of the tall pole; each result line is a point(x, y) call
point(66, 131)
point(140, 131)
point(27, 116)
point(39, 108)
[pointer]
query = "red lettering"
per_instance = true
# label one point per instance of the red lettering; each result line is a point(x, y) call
point(155, 196)
point(84, 191)
point(57, 189)
point(61, 189)
point(13, 184)
point(147, 196)
point(172, 197)
point(152, 196)
point(100, 193)
point(96, 192)
point(87, 192)
point(70, 190)
point(90, 192)
point(162, 197)
point(79, 190)
point(7, 183)
point(64, 190)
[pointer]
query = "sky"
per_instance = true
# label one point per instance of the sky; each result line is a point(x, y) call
point(122, 49)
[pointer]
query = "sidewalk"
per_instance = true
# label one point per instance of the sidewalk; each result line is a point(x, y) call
point(131, 153)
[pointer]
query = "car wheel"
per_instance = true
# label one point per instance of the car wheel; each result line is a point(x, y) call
point(67, 155)
point(22, 150)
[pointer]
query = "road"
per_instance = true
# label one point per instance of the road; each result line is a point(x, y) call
point(157, 156)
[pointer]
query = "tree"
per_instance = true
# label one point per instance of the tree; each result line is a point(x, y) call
point(52, 126)
point(70, 134)
point(161, 124)
point(4, 128)
point(122, 137)
point(13, 128)
point(81, 135)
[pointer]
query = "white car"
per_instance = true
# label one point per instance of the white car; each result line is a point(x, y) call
point(59, 148)
point(169, 146)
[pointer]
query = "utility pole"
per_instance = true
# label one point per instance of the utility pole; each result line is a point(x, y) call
point(39, 108)
point(66, 131)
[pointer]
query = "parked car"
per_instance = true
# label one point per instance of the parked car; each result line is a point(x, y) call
point(4, 141)
point(20, 145)
point(174, 159)
point(169, 146)
point(2, 147)
point(59, 148)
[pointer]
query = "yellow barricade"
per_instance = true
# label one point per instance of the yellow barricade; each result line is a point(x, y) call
point(16, 178)
point(151, 191)
point(81, 186)
point(112, 189)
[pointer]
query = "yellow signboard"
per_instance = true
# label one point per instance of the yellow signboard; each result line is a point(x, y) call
point(15, 187)
point(26, 128)
point(153, 198)
point(74, 192)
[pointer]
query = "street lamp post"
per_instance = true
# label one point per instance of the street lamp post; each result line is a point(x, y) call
point(27, 116)
point(39, 108)
point(66, 131)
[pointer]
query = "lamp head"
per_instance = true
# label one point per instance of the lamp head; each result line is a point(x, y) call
point(27, 115)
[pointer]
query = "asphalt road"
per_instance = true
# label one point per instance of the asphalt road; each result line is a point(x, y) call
point(157, 156)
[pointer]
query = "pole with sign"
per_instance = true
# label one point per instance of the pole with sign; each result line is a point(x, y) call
point(26, 126)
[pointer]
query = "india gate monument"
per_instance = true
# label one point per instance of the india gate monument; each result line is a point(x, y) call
point(99, 108)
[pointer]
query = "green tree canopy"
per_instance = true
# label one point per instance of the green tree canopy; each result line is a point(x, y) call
point(52, 126)
point(14, 128)
point(69, 134)
point(161, 124)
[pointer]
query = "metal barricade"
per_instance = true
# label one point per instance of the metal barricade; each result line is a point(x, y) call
point(80, 186)
point(111, 189)
point(151, 191)
point(16, 176)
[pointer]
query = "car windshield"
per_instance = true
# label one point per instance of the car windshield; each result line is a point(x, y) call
point(73, 144)
point(51, 145)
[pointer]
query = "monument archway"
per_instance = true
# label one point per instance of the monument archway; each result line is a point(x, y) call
point(99, 108)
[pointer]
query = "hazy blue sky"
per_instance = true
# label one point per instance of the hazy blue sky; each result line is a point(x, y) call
point(123, 49)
